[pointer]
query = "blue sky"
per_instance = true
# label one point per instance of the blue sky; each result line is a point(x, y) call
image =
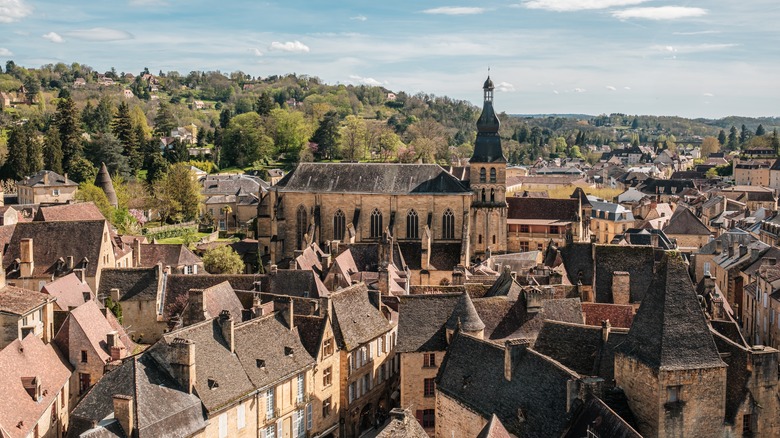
point(693, 58)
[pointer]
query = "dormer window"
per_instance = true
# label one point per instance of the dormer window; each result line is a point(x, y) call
point(213, 384)
point(260, 363)
point(288, 351)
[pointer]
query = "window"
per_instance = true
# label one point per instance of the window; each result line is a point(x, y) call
point(429, 360)
point(301, 227)
point(492, 195)
point(429, 387)
point(376, 224)
point(308, 416)
point(523, 246)
point(412, 225)
point(223, 430)
point(327, 376)
point(747, 425)
point(83, 356)
point(300, 386)
point(326, 407)
point(482, 175)
point(366, 383)
point(298, 426)
point(524, 228)
point(448, 225)
point(483, 195)
point(352, 387)
point(381, 374)
point(706, 268)
point(327, 347)
point(492, 174)
point(84, 379)
point(554, 229)
point(240, 416)
point(380, 341)
point(270, 403)
point(427, 417)
point(673, 394)
point(269, 432)
point(479, 238)
point(55, 192)
point(339, 225)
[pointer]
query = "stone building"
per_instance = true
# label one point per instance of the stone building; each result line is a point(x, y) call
point(533, 222)
point(24, 312)
point(46, 187)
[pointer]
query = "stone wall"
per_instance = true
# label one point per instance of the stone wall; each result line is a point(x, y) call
point(413, 375)
point(453, 420)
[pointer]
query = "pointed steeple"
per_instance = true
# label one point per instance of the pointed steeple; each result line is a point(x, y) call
point(465, 315)
point(487, 148)
point(103, 181)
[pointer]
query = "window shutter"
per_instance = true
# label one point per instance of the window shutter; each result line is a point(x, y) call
point(279, 428)
point(419, 415)
point(308, 416)
point(262, 433)
point(379, 347)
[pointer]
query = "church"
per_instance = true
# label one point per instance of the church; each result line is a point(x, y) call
point(437, 221)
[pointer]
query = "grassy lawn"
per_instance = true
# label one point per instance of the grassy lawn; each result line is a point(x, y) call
point(180, 239)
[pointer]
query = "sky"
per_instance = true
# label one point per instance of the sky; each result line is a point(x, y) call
point(692, 58)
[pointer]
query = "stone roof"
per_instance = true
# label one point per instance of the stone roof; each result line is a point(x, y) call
point(310, 331)
point(727, 239)
point(30, 357)
point(465, 316)
point(293, 282)
point(54, 179)
point(68, 291)
point(472, 373)
point(402, 424)
point(82, 211)
point(217, 298)
point(563, 210)
point(509, 319)
point(421, 320)
point(684, 222)
point(162, 407)
point(88, 321)
point(670, 331)
point(103, 182)
point(444, 256)
point(169, 254)
point(494, 429)
point(385, 178)
point(232, 184)
point(578, 261)
point(134, 284)
point(652, 186)
point(639, 261)
point(597, 418)
point(619, 315)
point(18, 301)
point(505, 286)
point(177, 285)
point(81, 240)
point(356, 320)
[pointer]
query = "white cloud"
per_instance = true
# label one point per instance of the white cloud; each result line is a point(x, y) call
point(13, 10)
point(505, 87)
point(701, 32)
point(611, 88)
point(660, 13)
point(289, 46)
point(627, 88)
point(100, 34)
point(365, 81)
point(5, 52)
point(692, 48)
point(576, 5)
point(454, 10)
point(257, 52)
point(579, 90)
point(359, 18)
point(709, 95)
point(53, 37)
point(555, 92)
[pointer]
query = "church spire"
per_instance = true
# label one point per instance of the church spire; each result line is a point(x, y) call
point(487, 148)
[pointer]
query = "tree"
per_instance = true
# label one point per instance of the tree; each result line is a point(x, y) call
point(223, 260)
point(52, 150)
point(288, 129)
point(635, 123)
point(89, 192)
point(24, 152)
point(264, 104)
point(733, 139)
point(226, 210)
point(775, 142)
point(81, 170)
point(387, 143)
point(744, 134)
point(164, 122)
point(106, 148)
point(722, 137)
point(224, 118)
point(122, 128)
point(176, 194)
point(760, 130)
point(32, 87)
point(327, 136)
point(353, 138)
point(156, 167)
point(245, 141)
point(67, 121)
point(709, 146)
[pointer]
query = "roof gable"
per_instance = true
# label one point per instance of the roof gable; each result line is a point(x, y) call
point(357, 321)
point(683, 221)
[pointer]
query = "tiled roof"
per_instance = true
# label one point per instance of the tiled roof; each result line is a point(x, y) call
point(310, 331)
point(89, 320)
point(177, 285)
point(30, 357)
point(356, 320)
point(421, 320)
point(232, 184)
point(134, 284)
point(221, 297)
point(83, 211)
point(507, 319)
point(401, 426)
point(54, 179)
point(293, 282)
point(543, 208)
point(670, 331)
point(18, 301)
point(387, 178)
point(161, 407)
point(619, 315)
point(727, 239)
point(169, 254)
point(54, 240)
point(68, 291)
point(638, 261)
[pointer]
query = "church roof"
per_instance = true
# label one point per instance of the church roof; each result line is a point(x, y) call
point(670, 331)
point(487, 147)
point(376, 178)
point(103, 181)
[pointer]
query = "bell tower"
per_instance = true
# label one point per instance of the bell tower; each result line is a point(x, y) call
point(488, 181)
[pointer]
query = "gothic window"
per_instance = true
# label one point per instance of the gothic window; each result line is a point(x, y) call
point(483, 195)
point(492, 174)
point(339, 225)
point(302, 226)
point(482, 175)
point(448, 225)
point(412, 222)
point(492, 195)
point(376, 223)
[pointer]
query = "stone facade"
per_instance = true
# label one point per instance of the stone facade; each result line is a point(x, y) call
point(325, 386)
point(416, 369)
point(454, 420)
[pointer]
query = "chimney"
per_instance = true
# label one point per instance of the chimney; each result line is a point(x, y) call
point(606, 327)
point(228, 328)
point(513, 349)
point(81, 274)
point(533, 300)
point(112, 339)
point(654, 240)
point(45, 178)
point(457, 275)
point(115, 347)
point(124, 413)
point(325, 262)
point(274, 269)
point(743, 250)
point(33, 387)
point(114, 293)
point(70, 262)
point(136, 253)
point(621, 287)
point(167, 270)
point(290, 314)
point(197, 311)
point(27, 264)
point(755, 253)
point(182, 360)
point(718, 247)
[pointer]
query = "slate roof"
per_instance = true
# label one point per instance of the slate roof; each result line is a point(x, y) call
point(293, 282)
point(55, 240)
point(638, 261)
point(384, 178)
point(356, 320)
point(134, 284)
point(670, 331)
point(401, 425)
point(421, 320)
point(169, 254)
point(727, 239)
point(232, 184)
point(310, 331)
point(444, 256)
point(221, 297)
point(29, 357)
point(162, 408)
point(266, 339)
point(505, 286)
point(465, 316)
point(494, 429)
point(543, 208)
point(684, 222)
point(18, 301)
point(177, 285)
point(652, 186)
point(508, 319)
point(68, 291)
point(103, 182)
point(597, 418)
point(578, 261)
point(82, 211)
point(55, 179)
point(472, 373)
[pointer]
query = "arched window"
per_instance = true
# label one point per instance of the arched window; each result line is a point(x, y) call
point(492, 174)
point(482, 175)
point(492, 195)
point(339, 225)
point(302, 226)
point(483, 195)
point(448, 225)
point(376, 223)
point(412, 222)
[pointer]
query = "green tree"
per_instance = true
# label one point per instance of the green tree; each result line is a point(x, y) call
point(760, 130)
point(722, 137)
point(81, 170)
point(289, 130)
point(223, 260)
point(176, 195)
point(156, 166)
point(744, 134)
point(245, 141)
point(52, 150)
point(224, 118)
point(32, 86)
point(733, 142)
point(353, 138)
point(122, 128)
point(106, 148)
point(89, 192)
point(635, 123)
point(387, 143)
point(775, 142)
point(709, 146)
point(327, 136)
point(164, 121)
point(21, 141)
point(265, 104)
point(67, 121)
